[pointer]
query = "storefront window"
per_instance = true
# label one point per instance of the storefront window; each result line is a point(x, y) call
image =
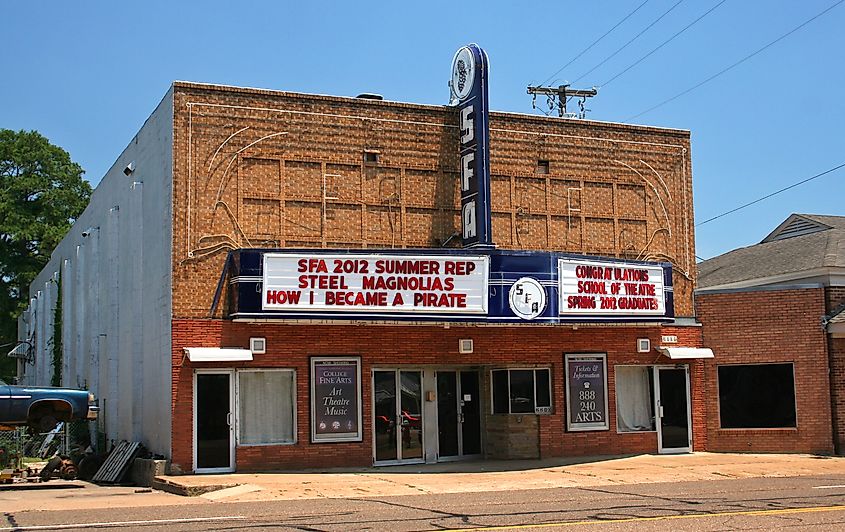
point(634, 398)
point(521, 391)
point(759, 396)
point(266, 407)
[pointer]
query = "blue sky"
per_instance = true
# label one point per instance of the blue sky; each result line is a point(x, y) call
point(87, 75)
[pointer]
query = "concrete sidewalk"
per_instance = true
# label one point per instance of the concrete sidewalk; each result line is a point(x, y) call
point(477, 476)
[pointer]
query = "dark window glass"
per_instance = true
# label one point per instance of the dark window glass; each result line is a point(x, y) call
point(522, 391)
point(756, 396)
point(542, 167)
point(544, 395)
point(500, 392)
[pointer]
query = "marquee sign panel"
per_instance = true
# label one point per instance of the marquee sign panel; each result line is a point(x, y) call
point(444, 285)
point(373, 282)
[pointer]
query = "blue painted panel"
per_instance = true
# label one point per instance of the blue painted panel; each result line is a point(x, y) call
point(245, 270)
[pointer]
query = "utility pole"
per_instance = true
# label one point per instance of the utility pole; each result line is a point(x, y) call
point(558, 96)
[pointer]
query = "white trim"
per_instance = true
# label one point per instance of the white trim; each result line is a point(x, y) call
point(218, 354)
point(232, 412)
point(835, 276)
point(685, 353)
point(657, 416)
point(238, 407)
point(647, 367)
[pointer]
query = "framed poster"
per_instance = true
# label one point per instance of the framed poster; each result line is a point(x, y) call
point(586, 392)
point(336, 399)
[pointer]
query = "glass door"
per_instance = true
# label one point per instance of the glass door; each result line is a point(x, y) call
point(398, 416)
point(214, 442)
point(458, 414)
point(672, 406)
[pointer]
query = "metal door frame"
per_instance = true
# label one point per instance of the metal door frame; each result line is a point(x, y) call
point(459, 411)
point(231, 420)
point(658, 413)
point(398, 413)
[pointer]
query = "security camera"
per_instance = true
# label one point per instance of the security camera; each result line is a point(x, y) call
point(88, 231)
point(129, 168)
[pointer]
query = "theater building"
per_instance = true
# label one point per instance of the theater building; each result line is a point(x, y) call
point(269, 280)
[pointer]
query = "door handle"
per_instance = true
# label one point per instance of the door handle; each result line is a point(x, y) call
point(229, 418)
point(661, 411)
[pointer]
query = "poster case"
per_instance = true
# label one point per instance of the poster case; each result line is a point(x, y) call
point(336, 414)
point(586, 392)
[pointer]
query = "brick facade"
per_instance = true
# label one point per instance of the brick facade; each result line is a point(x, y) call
point(290, 346)
point(834, 300)
point(769, 326)
point(255, 168)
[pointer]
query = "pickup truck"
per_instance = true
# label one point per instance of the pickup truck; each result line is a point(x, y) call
point(43, 407)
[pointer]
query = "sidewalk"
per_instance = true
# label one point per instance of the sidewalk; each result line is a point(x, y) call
point(477, 476)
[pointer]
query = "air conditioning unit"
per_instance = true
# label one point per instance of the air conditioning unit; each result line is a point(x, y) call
point(643, 345)
point(465, 346)
point(257, 345)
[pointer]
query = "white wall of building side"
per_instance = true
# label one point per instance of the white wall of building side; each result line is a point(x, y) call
point(115, 270)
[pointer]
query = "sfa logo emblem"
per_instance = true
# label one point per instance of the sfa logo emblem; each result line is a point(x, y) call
point(469, 187)
point(469, 91)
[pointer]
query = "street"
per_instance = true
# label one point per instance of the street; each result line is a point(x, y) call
point(798, 503)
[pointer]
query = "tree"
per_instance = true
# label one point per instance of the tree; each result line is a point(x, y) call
point(42, 192)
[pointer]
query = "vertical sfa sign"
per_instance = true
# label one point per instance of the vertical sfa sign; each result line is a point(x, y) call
point(469, 89)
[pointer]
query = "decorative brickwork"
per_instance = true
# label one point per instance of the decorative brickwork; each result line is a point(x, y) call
point(256, 168)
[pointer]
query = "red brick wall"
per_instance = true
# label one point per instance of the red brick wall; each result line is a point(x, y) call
point(835, 298)
point(837, 388)
point(289, 346)
point(769, 327)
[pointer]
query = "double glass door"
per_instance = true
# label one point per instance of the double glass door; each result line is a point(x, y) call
point(398, 416)
point(458, 414)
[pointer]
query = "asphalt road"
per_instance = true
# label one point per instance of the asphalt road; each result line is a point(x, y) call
point(798, 503)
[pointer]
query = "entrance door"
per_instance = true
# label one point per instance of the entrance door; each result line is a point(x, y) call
point(214, 441)
point(458, 414)
point(398, 416)
point(672, 405)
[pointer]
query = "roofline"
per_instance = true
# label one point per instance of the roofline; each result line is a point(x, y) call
point(829, 271)
point(778, 288)
point(275, 92)
point(788, 221)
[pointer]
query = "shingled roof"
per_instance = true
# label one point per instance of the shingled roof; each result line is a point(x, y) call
point(802, 244)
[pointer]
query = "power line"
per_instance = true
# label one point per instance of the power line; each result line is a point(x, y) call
point(767, 196)
point(626, 17)
point(744, 59)
point(634, 38)
point(664, 43)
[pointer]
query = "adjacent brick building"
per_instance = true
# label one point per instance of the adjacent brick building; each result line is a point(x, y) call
point(773, 315)
point(222, 181)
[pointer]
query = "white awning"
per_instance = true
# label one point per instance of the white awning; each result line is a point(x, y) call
point(686, 353)
point(218, 354)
